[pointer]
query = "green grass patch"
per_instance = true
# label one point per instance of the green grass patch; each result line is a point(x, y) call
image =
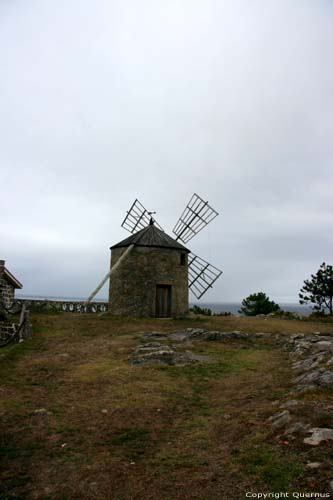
point(268, 466)
point(169, 459)
point(24, 450)
point(13, 352)
point(227, 361)
point(133, 442)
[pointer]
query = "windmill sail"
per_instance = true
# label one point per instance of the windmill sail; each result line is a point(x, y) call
point(137, 218)
point(201, 275)
point(197, 214)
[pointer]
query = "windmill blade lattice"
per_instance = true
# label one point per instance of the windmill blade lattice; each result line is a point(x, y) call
point(197, 214)
point(201, 275)
point(137, 218)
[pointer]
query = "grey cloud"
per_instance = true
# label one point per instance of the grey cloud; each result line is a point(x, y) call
point(108, 101)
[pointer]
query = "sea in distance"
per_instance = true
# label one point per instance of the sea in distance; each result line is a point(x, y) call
point(234, 307)
point(216, 307)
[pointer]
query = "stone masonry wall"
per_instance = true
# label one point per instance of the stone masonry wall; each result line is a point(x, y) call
point(7, 292)
point(133, 285)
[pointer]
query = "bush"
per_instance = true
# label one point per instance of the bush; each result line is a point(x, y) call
point(201, 310)
point(258, 303)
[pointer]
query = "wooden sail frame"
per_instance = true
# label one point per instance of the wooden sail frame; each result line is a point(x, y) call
point(201, 275)
point(196, 215)
point(138, 218)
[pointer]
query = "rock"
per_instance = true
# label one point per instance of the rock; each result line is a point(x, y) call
point(302, 347)
point(42, 412)
point(260, 335)
point(300, 389)
point(179, 336)
point(155, 335)
point(280, 419)
point(218, 336)
point(297, 336)
point(188, 358)
point(322, 338)
point(313, 465)
point(155, 353)
point(206, 335)
point(326, 378)
point(323, 346)
point(194, 331)
point(297, 428)
point(309, 362)
point(321, 377)
point(289, 404)
point(319, 434)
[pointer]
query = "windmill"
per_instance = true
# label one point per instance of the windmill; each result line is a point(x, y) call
point(169, 262)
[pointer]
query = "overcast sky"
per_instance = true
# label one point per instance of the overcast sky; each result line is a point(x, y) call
point(106, 101)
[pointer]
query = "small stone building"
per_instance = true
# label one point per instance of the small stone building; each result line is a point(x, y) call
point(152, 280)
point(8, 284)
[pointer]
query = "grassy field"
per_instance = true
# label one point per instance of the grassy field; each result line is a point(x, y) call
point(106, 429)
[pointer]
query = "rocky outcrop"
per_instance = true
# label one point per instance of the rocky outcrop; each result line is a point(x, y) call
point(158, 348)
point(312, 357)
point(312, 362)
point(201, 334)
point(161, 354)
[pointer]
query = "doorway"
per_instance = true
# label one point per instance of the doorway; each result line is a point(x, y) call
point(163, 301)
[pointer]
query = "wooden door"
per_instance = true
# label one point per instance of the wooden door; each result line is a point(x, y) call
point(163, 301)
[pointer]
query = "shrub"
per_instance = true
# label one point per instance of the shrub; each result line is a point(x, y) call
point(258, 303)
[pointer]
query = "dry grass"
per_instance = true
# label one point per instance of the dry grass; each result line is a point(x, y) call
point(121, 432)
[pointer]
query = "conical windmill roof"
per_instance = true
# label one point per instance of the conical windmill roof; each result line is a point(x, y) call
point(151, 236)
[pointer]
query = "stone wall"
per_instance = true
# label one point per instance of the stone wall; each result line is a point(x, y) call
point(7, 332)
point(7, 292)
point(133, 285)
point(36, 305)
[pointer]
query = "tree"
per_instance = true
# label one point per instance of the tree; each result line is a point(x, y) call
point(319, 290)
point(258, 303)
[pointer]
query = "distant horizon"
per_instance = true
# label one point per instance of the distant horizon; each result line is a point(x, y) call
point(105, 299)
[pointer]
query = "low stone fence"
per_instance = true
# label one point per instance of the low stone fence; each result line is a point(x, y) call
point(13, 332)
point(7, 332)
point(39, 305)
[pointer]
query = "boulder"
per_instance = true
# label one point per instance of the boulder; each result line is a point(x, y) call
point(280, 419)
point(319, 434)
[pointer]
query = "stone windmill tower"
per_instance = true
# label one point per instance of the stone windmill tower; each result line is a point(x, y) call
point(151, 272)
